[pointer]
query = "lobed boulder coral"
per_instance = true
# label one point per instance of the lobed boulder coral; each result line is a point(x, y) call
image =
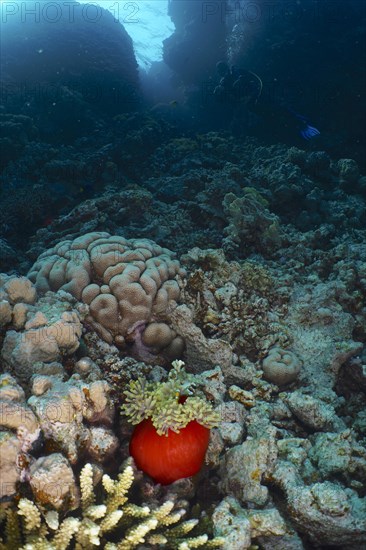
point(19, 429)
point(16, 295)
point(62, 420)
point(67, 412)
point(281, 366)
point(127, 284)
point(39, 333)
point(53, 483)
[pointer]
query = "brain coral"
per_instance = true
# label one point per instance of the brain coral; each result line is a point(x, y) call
point(281, 366)
point(127, 285)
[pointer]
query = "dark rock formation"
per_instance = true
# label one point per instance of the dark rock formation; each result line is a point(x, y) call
point(63, 61)
point(198, 42)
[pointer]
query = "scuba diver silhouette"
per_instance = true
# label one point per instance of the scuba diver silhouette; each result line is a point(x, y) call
point(240, 85)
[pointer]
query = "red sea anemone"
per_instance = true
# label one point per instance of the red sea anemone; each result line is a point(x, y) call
point(167, 458)
point(172, 430)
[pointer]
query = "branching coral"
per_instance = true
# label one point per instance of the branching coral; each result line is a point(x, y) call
point(133, 524)
point(243, 304)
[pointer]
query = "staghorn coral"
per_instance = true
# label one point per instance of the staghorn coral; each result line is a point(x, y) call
point(127, 284)
point(131, 524)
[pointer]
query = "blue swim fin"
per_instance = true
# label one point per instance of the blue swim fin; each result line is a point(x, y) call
point(309, 132)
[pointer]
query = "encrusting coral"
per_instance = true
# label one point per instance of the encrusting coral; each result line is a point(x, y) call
point(39, 530)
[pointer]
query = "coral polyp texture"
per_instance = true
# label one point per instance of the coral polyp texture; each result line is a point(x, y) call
point(127, 284)
point(281, 366)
